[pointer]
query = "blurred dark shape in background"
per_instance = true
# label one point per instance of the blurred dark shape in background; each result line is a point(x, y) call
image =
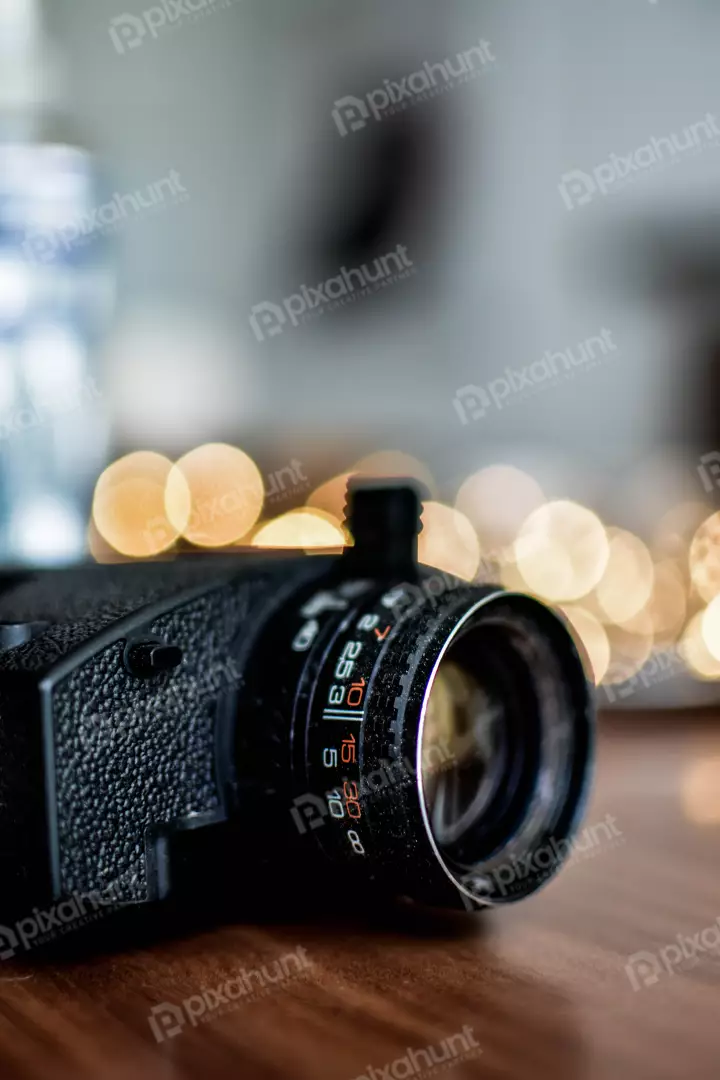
point(474, 243)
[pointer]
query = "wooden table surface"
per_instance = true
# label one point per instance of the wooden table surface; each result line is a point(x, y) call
point(540, 988)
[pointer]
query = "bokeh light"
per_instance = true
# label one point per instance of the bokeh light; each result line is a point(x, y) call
point(665, 613)
point(627, 584)
point(593, 639)
point(214, 495)
point(562, 551)
point(497, 501)
point(711, 628)
point(47, 530)
point(695, 652)
point(629, 652)
point(675, 530)
point(448, 541)
point(700, 792)
point(303, 529)
point(99, 549)
point(129, 506)
point(389, 464)
point(705, 559)
point(507, 575)
point(331, 496)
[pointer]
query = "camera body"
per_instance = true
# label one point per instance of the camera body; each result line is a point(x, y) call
point(103, 757)
point(161, 722)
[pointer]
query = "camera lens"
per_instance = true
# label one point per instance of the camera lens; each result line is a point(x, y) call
point(474, 710)
point(431, 738)
point(504, 701)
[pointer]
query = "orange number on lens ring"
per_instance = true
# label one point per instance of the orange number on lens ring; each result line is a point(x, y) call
point(348, 750)
point(350, 791)
point(355, 694)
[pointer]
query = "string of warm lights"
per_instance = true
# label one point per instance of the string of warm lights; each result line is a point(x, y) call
point(623, 599)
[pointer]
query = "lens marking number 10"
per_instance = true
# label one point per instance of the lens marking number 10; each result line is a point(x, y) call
point(350, 794)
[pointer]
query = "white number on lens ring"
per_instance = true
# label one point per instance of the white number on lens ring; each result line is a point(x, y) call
point(356, 843)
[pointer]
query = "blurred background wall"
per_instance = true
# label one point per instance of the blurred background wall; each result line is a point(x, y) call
point(239, 103)
point(533, 219)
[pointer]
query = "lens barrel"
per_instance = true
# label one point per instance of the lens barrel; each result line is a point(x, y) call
point(335, 728)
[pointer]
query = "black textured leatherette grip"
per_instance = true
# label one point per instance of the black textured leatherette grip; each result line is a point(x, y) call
point(134, 754)
point(129, 753)
point(78, 604)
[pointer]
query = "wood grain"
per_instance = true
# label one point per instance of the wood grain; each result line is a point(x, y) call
point(542, 984)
